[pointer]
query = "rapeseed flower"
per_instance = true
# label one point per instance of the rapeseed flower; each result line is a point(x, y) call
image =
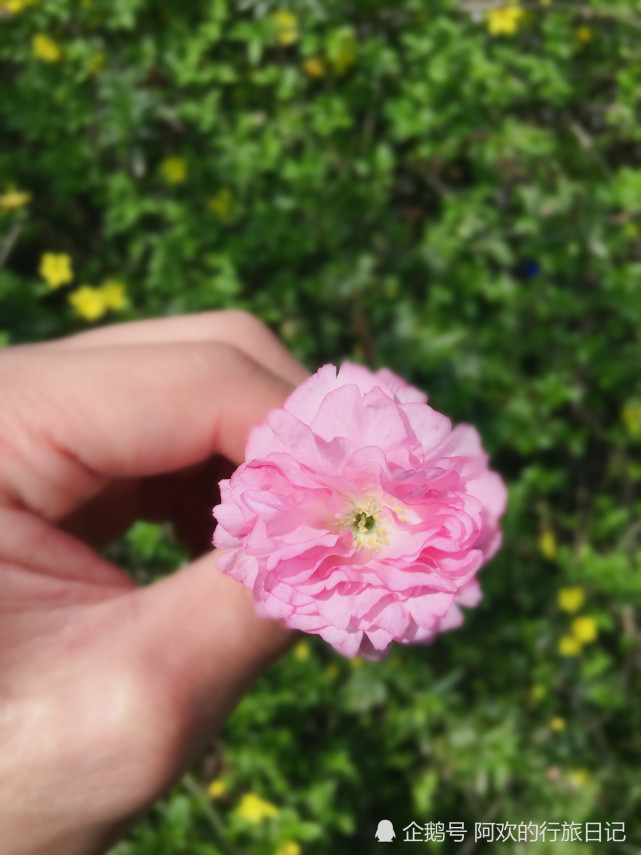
point(114, 295)
point(254, 809)
point(174, 170)
point(631, 417)
point(43, 47)
point(341, 53)
point(579, 778)
point(557, 723)
point(220, 202)
point(286, 27)
point(217, 788)
point(584, 629)
point(504, 21)
point(569, 646)
point(95, 63)
point(289, 848)
point(12, 7)
point(314, 67)
point(571, 599)
point(13, 199)
point(538, 692)
point(302, 651)
point(547, 544)
point(583, 35)
point(88, 302)
point(55, 269)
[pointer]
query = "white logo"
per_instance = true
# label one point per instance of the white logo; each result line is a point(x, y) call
point(385, 832)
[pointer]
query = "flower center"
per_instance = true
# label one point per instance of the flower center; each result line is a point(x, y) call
point(363, 521)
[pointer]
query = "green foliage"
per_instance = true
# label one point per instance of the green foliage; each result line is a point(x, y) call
point(388, 182)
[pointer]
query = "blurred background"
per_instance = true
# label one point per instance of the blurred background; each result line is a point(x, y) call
point(448, 188)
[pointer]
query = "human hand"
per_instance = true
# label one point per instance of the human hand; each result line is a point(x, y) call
point(108, 691)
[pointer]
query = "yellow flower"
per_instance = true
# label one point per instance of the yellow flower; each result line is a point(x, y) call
point(547, 544)
point(571, 599)
point(88, 302)
point(504, 21)
point(44, 48)
point(583, 35)
point(331, 672)
point(341, 54)
point(286, 27)
point(557, 723)
point(114, 295)
point(217, 788)
point(538, 692)
point(12, 7)
point(314, 67)
point(96, 63)
point(301, 651)
point(579, 777)
point(289, 848)
point(545, 2)
point(56, 269)
point(356, 662)
point(631, 417)
point(254, 809)
point(584, 629)
point(569, 646)
point(220, 202)
point(13, 199)
point(631, 230)
point(174, 170)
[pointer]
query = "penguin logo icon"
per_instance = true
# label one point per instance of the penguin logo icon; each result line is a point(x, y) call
point(385, 832)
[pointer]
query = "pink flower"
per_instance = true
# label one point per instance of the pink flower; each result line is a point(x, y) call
point(360, 514)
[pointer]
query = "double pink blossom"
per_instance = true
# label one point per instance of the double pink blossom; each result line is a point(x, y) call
point(360, 514)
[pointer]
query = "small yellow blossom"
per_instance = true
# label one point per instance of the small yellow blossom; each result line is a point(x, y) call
point(13, 199)
point(505, 21)
point(289, 848)
point(583, 35)
point(332, 671)
point(12, 7)
point(356, 663)
point(547, 544)
point(545, 2)
point(114, 295)
point(579, 778)
point(254, 809)
point(538, 692)
point(631, 417)
point(220, 202)
point(88, 302)
point(342, 54)
point(631, 230)
point(174, 170)
point(56, 269)
point(217, 788)
point(95, 63)
point(571, 599)
point(286, 27)
point(302, 651)
point(584, 629)
point(314, 67)
point(569, 646)
point(43, 47)
point(557, 723)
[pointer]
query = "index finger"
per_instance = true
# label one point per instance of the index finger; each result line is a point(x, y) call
point(73, 422)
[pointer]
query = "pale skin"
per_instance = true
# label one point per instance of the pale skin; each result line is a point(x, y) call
point(109, 691)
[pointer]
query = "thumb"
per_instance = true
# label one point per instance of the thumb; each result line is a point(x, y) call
point(206, 639)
